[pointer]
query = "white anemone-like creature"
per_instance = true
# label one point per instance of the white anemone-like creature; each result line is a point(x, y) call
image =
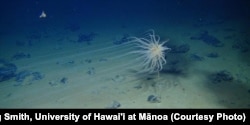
point(151, 52)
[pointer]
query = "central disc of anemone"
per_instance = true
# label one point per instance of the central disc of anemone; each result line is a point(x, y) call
point(155, 50)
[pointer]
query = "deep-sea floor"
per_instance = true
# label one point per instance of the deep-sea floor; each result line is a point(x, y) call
point(207, 67)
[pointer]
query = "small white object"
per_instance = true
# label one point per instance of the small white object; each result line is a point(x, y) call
point(43, 15)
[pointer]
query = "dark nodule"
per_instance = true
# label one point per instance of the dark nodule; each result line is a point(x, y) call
point(221, 76)
point(153, 99)
point(7, 70)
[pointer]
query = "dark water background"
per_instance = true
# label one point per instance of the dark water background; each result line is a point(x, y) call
point(15, 13)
